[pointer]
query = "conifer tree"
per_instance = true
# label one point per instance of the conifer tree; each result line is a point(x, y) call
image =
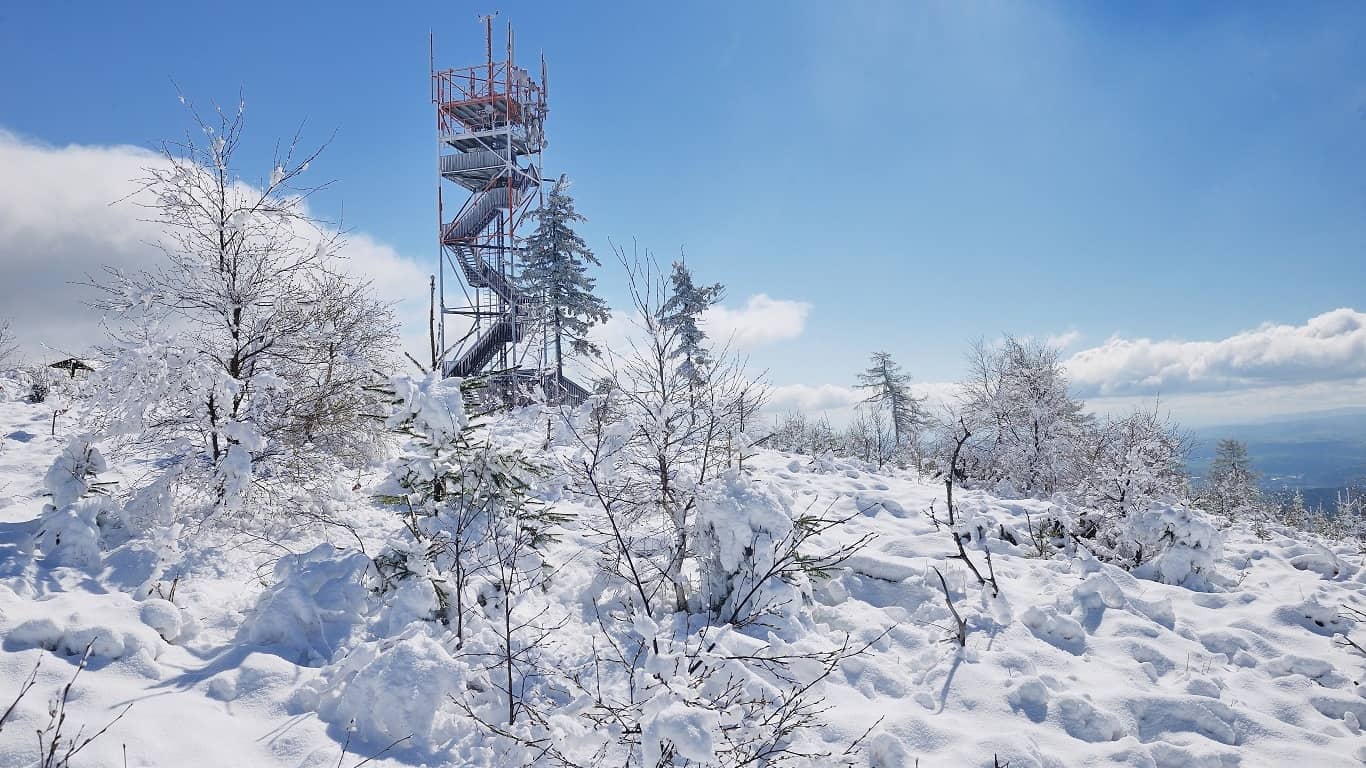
point(680, 314)
point(889, 388)
point(1231, 487)
point(555, 273)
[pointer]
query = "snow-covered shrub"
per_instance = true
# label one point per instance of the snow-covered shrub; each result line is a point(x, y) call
point(795, 432)
point(1167, 542)
point(70, 526)
point(151, 508)
point(680, 692)
point(434, 625)
point(741, 531)
point(164, 617)
point(751, 559)
point(319, 598)
point(1162, 540)
point(39, 382)
point(1130, 461)
point(456, 494)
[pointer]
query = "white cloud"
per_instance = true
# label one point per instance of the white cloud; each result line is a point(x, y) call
point(838, 402)
point(1329, 347)
point(760, 321)
point(397, 281)
point(1064, 340)
point(58, 224)
point(813, 398)
point(65, 214)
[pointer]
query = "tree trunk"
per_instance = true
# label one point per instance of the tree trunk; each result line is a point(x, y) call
point(559, 356)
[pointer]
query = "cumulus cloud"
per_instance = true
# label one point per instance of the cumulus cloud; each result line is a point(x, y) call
point(59, 223)
point(65, 213)
point(1329, 347)
point(761, 320)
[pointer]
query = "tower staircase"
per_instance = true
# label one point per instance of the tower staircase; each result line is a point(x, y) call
point(490, 127)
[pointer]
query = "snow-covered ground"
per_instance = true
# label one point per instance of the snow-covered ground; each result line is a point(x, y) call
point(1077, 663)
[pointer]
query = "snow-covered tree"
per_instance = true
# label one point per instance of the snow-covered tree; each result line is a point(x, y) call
point(8, 344)
point(791, 432)
point(680, 315)
point(243, 356)
point(69, 529)
point(1026, 428)
point(870, 437)
point(1128, 462)
point(1230, 487)
point(1292, 510)
point(889, 388)
point(662, 429)
point(555, 274)
point(1349, 509)
point(464, 502)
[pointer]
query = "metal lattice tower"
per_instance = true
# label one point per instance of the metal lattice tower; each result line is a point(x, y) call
point(490, 122)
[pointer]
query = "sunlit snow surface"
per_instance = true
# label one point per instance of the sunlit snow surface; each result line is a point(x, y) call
point(1078, 663)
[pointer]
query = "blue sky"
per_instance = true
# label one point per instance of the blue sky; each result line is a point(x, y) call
point(921, 174)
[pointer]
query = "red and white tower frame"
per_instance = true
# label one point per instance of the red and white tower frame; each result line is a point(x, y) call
point(490, 124)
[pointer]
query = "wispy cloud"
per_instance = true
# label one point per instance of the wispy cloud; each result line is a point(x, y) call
point(1065, 340)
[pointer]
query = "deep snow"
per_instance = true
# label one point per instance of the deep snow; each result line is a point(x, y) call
point(1077, 663)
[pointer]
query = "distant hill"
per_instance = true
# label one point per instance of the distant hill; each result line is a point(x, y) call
point(1318, 452)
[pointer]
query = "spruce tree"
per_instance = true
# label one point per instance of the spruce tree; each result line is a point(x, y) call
point(1231, 486)
point(889, 388)
point(680, 315)
point(555, 274)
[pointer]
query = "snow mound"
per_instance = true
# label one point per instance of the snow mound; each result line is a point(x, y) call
point(389, 689)
point(113, 625)
point(164, 617)
point(319, 597)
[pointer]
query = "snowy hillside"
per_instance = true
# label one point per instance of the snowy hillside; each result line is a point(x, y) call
point(233, 651)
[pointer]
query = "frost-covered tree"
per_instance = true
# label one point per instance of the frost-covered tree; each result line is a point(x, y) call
point(791, 432)
point(870, 437)
point(1130, 481)
point(1292, 510)
point(659, 430)
point(555, 273)
point(1026, 429)
point(243, 356)
point(8, 344)
point(1130, 461)
point(680, 315)
point(1349, 509)
point(1230, 487)
point(889, 388)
